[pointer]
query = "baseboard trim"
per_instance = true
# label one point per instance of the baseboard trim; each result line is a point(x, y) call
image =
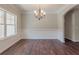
point(41, 39)
point(75, 40)
point(47, 39)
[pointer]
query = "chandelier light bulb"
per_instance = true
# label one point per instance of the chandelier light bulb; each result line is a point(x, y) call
point(42, 11)
point(35, 12)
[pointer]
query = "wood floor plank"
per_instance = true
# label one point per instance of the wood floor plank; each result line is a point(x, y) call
point(43, 47)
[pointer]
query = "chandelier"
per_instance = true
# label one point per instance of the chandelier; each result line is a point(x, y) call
point(39, 13)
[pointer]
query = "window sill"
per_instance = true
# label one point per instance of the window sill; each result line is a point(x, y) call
point(8, 37)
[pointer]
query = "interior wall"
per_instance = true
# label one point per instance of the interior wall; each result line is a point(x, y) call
point(46, 28)
point(76, 24)
point(9, 41)
point(72, 25)
point(68, 25)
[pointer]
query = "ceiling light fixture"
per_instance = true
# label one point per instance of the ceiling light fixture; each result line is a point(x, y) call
point(39, 13)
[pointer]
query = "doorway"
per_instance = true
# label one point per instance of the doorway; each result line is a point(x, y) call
point(71, 25)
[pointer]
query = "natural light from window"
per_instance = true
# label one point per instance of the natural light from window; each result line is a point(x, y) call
point(8, 24)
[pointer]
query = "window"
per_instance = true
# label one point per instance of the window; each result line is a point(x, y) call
point(7, 24)
point(10, 24)
point(1, 23)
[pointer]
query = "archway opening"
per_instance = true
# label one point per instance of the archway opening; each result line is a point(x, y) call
point(71, 25)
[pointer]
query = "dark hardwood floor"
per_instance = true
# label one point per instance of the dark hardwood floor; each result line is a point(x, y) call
point(43, 47)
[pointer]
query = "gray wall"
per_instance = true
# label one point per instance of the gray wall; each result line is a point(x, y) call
point(46, 28)
point(76, 25)
point(72, 25)
point(68, 25)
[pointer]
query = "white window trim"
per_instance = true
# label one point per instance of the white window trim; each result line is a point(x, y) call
point(5, 25)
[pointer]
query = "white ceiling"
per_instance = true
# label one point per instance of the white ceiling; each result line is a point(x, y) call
point(52, 8)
